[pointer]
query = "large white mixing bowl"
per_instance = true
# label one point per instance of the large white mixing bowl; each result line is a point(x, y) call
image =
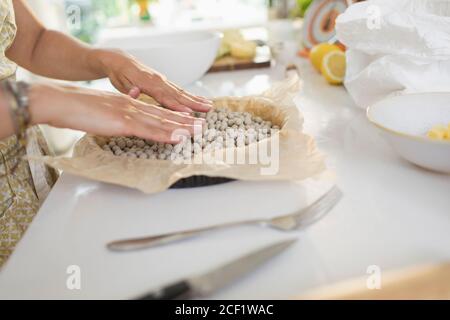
point(182, 57)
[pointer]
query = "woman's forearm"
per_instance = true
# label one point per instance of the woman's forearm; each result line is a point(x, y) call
point(39, 111)
point(99, 113)
point(58, 56)
point(50, 53)
point(61, 57)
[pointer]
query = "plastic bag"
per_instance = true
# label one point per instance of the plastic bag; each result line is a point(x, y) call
point(395, 47)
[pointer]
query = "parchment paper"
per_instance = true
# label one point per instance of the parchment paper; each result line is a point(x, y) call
point(299, 158)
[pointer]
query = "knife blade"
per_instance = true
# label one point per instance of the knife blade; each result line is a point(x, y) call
point(204, 284)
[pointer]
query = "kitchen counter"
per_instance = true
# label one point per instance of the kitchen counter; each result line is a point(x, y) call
point(393, 214)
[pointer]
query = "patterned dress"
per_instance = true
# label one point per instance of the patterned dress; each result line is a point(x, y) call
point(23, 185)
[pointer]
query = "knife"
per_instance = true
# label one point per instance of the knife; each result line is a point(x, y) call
point(213, 280)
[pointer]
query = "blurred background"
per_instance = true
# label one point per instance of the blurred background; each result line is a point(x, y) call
point(90, 19)
point(99, 22)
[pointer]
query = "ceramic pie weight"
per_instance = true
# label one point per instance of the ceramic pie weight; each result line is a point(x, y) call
point(223, 128)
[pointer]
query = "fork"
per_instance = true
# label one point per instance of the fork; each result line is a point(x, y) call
point(288, 222)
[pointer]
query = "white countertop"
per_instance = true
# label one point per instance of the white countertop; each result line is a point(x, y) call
point(393, 214)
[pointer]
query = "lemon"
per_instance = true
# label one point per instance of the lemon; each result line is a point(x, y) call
point(232, 35)
point(224, 50)
point(333, 67)
point(234, 44)
point(243, 50)
point(319, 51)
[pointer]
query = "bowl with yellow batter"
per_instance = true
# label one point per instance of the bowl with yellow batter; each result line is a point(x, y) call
point(417, 126)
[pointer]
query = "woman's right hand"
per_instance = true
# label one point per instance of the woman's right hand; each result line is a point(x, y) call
point(107, 114)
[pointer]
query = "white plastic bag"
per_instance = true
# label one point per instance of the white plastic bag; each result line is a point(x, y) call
point(394, 47)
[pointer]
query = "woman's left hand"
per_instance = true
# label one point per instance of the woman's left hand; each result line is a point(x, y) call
point(133, 78)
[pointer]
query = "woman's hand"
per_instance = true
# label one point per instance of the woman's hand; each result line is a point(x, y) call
point(107, 114)
point(132, 78)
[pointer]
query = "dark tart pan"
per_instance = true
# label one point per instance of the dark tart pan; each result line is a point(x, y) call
point(199, 181)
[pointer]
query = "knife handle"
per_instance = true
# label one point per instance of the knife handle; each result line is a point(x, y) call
point(174, 291)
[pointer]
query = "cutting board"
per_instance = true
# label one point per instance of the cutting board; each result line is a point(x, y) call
point(262, 59)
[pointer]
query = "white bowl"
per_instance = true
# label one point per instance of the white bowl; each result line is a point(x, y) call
point(405, 121)
point(182, 57)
